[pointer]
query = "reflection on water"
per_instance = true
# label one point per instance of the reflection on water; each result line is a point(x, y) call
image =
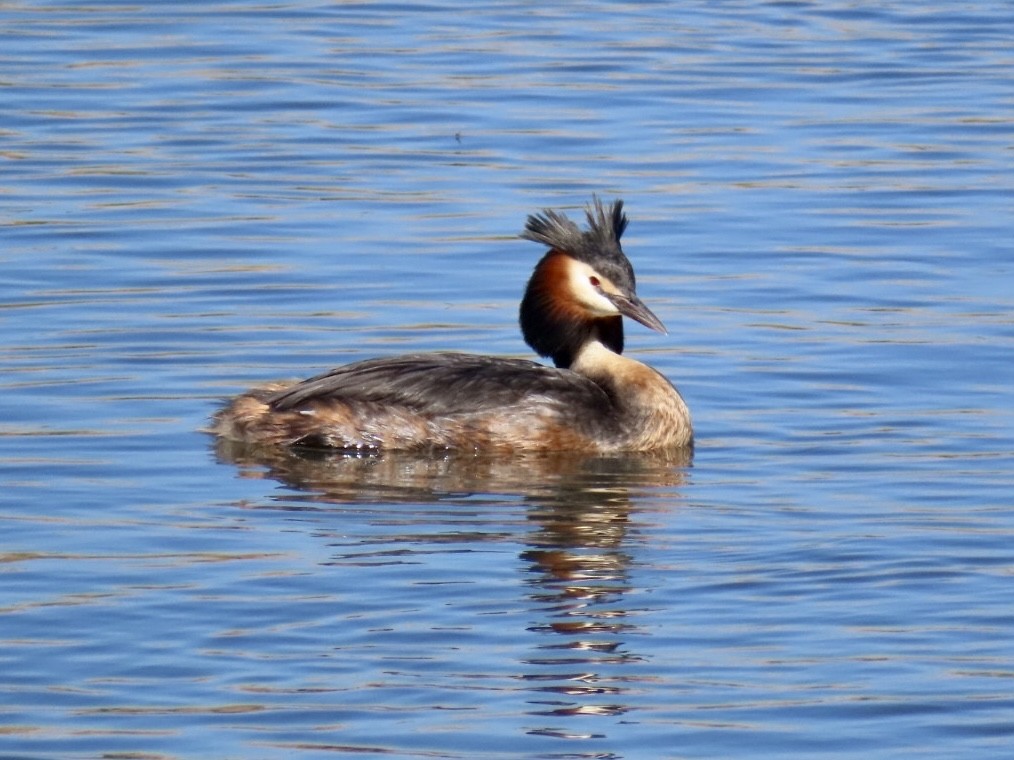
point(558, 478)
point(576, 560)
point(579, 564)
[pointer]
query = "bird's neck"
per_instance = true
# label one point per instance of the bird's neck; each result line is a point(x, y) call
point(597, 360)
point(652, 411)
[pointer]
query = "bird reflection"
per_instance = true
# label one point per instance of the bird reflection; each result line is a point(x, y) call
point(577, 561)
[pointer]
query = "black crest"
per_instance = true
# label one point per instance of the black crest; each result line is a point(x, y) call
point(605, 228)
point(598, 246)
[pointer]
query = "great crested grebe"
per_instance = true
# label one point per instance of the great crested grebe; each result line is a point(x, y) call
point(594, 400)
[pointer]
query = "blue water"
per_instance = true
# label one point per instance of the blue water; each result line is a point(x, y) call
point(195, 198)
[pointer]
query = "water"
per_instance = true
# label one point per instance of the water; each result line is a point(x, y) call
point(197, 198)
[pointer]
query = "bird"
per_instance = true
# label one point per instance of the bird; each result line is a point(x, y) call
point(593, 399)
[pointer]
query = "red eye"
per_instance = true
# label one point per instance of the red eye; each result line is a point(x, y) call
point(594, 281)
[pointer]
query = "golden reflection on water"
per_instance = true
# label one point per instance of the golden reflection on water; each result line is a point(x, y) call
point(577, 556)
point(563, 479)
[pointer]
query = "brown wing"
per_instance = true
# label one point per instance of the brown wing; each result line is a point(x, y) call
point(447, 384)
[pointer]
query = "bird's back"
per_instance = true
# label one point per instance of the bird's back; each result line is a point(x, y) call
point(436, 400)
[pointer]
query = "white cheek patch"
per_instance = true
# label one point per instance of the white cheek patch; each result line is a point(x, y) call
point(580, 281)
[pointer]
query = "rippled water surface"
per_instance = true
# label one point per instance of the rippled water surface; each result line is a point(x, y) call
point(199, 197)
